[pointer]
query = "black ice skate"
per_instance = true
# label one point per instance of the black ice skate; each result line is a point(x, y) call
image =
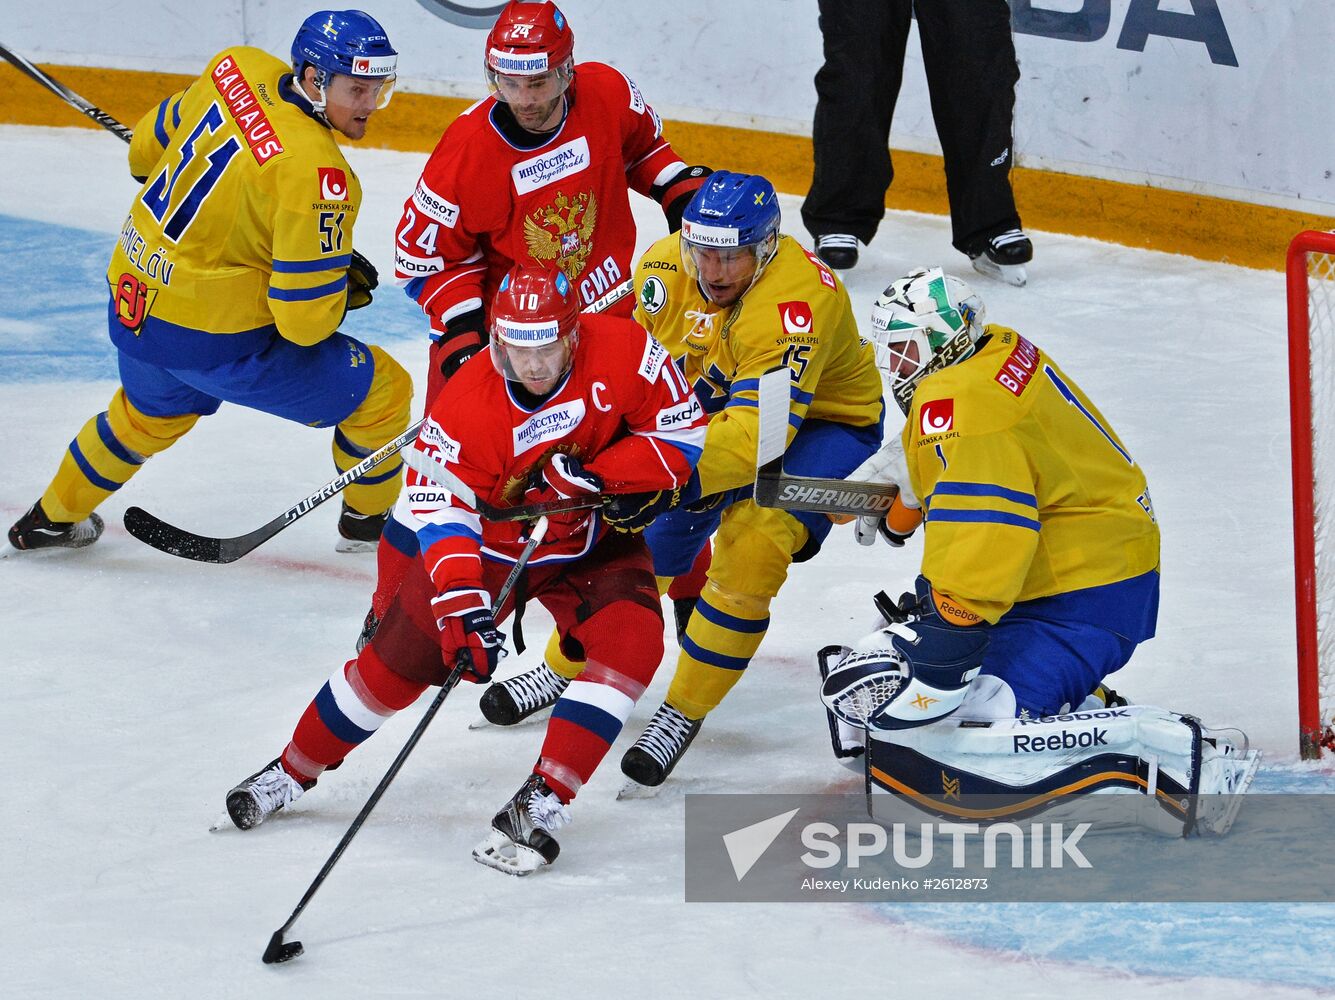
point(1003, 256)
point(839, 250)
point(263, 794)
point(34, 530)
point(359, 532)
point(509, 702)
point(660, 746)
point(682, 609)
point(521, 841)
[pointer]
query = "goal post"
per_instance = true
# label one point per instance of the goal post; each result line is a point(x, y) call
point(1311, 308)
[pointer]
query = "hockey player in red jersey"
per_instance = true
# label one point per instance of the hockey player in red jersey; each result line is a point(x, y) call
point(563, 405)
point(539, 172)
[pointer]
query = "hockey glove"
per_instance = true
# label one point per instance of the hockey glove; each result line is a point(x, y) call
point(469, 638)
point(562, 477)
point(362, 280)
point(676, 193)
point(636, 511)
point(464, 336)
point(899, 523)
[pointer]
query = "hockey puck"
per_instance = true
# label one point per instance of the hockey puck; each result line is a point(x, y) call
point(278, 951)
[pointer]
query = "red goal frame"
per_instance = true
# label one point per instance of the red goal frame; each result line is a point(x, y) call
point(1311, 735)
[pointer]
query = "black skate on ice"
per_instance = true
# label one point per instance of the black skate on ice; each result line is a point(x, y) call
point(359, 532)
point(263, 794)
point(521, 841)
point(839, 250)
point(509, 702)
point(1003, 256)
point(34, 530)
point(660, 746)
point(682, 609)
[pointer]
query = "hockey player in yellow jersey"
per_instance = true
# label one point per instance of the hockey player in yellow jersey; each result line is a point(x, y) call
point(1039, 578)
point(731, 297)
point(233, 271)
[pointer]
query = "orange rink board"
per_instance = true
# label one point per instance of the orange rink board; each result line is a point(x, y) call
point(1132, 215)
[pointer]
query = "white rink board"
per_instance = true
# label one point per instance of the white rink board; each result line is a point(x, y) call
point(1104, 91)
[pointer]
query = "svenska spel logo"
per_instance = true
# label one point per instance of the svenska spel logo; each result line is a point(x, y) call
point(937, 417)
point(333, 184)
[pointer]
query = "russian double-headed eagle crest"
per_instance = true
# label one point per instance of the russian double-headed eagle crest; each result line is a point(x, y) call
point(563, 232)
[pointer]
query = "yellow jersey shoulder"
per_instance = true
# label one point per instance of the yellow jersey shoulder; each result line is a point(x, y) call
point(981, 395)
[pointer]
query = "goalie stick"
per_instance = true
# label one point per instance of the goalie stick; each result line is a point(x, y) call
point(67, 95)
point(777, 488)
point(164, 537)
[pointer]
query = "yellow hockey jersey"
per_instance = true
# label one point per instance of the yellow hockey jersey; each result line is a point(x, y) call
point(243, 226)
point(797, 314)
point(1028, 491)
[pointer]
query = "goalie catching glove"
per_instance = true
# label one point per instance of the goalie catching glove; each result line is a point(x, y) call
point(468, 633)
point(909, 673)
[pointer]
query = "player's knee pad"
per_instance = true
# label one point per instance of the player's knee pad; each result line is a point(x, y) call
point(144, 434)
point(605, 635)
point(1189, 777)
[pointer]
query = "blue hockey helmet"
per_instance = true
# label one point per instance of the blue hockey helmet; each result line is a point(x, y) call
point(346, 42)
point(733, 220)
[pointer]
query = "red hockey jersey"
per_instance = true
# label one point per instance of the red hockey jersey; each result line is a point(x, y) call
point(483, 202)
point(624, 410)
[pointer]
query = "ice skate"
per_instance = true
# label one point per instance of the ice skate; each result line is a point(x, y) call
point(1003, 257)
point(263, 794)
point(521, 841)
point(509, 702)
point(1228, 765)
point(34, 530)
point(359, 532)
point(660, 746)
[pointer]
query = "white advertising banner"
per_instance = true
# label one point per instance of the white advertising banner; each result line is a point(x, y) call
point(1224, 97)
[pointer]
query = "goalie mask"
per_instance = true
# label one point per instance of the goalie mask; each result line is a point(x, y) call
point(923, 322)
point(534, 328)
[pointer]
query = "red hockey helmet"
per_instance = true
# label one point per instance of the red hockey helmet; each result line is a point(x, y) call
point(534, 327)
point(529, 39)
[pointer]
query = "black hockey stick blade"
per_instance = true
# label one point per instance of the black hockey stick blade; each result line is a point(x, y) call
point(280, 951)
point(777, 488)
point(164, 537)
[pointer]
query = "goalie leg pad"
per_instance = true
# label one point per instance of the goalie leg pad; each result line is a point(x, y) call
point(1194, 776)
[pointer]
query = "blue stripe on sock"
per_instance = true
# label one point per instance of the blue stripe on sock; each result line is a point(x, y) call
point(602, 724)
point(693, 649)
point(401, 537)
point(391, 468)
point(334, 719)
point(715, 616)
point(101, 482)
point(113, 443)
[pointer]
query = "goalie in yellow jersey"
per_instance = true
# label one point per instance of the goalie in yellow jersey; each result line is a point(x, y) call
point(1039, 578)
point(233, 271)
point(730, 297)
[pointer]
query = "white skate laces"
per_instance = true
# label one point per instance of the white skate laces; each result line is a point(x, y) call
point(547, 812)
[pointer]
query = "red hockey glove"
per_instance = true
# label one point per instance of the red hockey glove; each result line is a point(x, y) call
point(562, 477)
point(469, 637)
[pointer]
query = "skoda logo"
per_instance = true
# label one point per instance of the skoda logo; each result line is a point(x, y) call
point(653, 295)
point(466, 15)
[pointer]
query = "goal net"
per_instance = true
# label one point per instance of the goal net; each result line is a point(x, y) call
point(1311, 297)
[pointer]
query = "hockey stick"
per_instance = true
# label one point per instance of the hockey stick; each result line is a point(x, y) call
point(776, 488)
point(280, 951)
point(427, 465)
point(67, 95)
point(168, 538)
